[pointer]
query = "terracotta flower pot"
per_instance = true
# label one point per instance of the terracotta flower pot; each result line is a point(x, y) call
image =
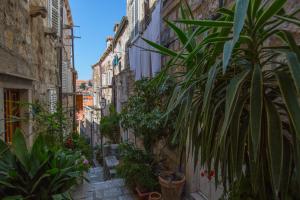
point(142, 195)
point(155, 196)
point(172, 189)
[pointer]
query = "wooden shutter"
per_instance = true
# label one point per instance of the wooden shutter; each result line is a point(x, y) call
point(11, 112)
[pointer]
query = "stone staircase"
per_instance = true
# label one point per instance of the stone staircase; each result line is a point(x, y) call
point(98, 189)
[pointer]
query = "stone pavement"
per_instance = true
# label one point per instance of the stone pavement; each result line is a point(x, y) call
point(98, 189)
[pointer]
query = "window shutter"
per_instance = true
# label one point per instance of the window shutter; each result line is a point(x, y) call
point(55, 15)
point(136, 17)
point(104, 80)
point(49, 6)
point(109, 77)
point(147, 12)
point(64, 76)
point(52, 100)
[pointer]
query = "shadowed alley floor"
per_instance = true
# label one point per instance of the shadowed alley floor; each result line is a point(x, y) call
point(98, 189)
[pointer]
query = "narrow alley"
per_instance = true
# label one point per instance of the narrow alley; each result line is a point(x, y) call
point(99, 189)
point(149, 99)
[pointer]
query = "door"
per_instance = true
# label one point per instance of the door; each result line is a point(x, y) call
point(11, 112)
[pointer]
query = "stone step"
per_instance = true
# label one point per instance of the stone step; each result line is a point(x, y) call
point(198, 196)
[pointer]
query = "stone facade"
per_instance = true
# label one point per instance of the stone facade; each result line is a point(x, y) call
point(28, 54)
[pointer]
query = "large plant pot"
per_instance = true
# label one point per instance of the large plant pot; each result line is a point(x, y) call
point(171, 189)
point(142, 195)
point(154, 196)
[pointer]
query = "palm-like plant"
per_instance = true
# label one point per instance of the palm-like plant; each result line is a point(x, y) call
point(239, 95)
point(38, 173)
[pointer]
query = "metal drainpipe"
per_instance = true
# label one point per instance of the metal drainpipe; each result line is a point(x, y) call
point(60, 63)
point(74, 82)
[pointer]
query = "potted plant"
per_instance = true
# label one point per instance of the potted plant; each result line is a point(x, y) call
point(172, 185)
point(137, 169)
point(155, 196)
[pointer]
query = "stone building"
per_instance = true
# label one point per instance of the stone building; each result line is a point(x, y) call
point(30, 64)
point(123, 77)
point(102, 89)
point(129, 52)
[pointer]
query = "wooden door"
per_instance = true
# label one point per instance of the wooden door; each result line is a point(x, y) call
point(11, 112)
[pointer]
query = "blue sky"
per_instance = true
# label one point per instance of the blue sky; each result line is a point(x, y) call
point(96, 19)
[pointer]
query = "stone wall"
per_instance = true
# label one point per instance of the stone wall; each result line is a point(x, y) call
point(29, 53)
point(24, 49)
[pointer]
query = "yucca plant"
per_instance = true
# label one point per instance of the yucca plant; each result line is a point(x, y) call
point(239, 95)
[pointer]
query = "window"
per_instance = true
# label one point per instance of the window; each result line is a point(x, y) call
point(135, 17)
point(54, 14)
point(104, 80)
point(109, 77)
point(11, 112)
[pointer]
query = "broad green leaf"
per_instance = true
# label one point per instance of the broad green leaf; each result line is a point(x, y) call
point(19, 147)
point(286, 169)
point(206, 23)
point(227, 52)
point(3, 147)
point(275, 144)
point(291, 100)
point(296, 149)
point(256, 104)
point(226, 11)
point(181, 35)
point(14, 198)
point(163, 50)
point(209, 87)
point(237, 135)
point(290, 40)
point(239, 20)
point(38, 182)
point(273, 9)
point(290, 20)
point(254, 7)
point(294, 65)
point(232, 94)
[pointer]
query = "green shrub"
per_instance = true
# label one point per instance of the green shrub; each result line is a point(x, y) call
point(81, 144)
point(109, 126)
point(144, 112)
point(136, 168)
point(39, 173)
